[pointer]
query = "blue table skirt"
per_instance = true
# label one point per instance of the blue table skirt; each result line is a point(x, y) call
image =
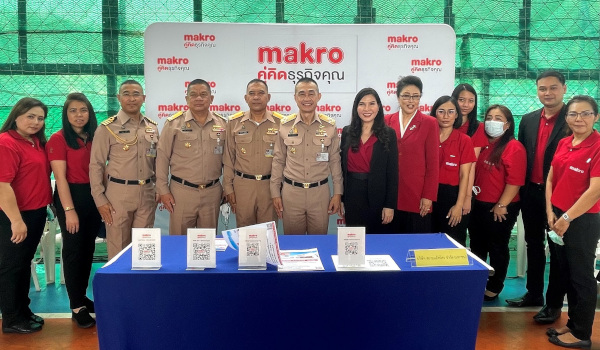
point(223, 308)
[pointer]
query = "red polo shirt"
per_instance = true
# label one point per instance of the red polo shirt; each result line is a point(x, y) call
point(544, 131)
point(464, 128)
point(26, 167)
point(360, 162)
point(454, 152)
point(572, 168)
point(78, 160)
point(510, 171)
point(480, 138)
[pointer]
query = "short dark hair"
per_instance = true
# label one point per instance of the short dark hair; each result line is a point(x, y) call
point(471, 117)
point(307, 80)
point(406, 81)
point(130, 82)
point(551, 73)
point(20, 108)
point(89, 127)
point(199, 82)
point(257, 81)
point(440, 101)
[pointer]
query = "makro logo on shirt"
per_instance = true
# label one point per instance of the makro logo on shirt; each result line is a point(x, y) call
point(402, 42)
point(199, 40)
point(425, 65)
point(577, 170)
point(173, 64)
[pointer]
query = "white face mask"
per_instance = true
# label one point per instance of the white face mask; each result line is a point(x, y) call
point(494, 128)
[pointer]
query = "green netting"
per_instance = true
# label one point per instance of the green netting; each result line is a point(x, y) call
point(51, 48)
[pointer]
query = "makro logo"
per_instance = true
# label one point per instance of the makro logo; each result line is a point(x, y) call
point(301, 54)
point(225, 108)
point(576, 169)
point(402, 42)
point(451, 164)
point(279, 108)
point(199, 40)
point(426, 65)
point(165, 111)
point(425, 108)
point(329, 108)
point(172, 63)
point(391, 88)
point(212, 84)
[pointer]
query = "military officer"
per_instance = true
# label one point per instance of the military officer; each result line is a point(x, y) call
point(122, 168)
point(247, 162)
point(191, 147)
point(307, 151)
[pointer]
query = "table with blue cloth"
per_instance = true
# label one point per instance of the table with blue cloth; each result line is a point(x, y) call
point(225, 308)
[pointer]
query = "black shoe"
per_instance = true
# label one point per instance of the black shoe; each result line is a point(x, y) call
point(36, 319)
point(582, 344)
point(83, 318)
point(526, 300)
point(24, 327)
point(89, 304)
point(552, 332)
point(547, 315)
point(488, 298)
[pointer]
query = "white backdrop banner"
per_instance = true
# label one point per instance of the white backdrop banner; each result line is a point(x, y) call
point(342, 59)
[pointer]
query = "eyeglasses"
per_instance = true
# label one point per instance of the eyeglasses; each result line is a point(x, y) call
point(583, 115)
point(409, 97)
point(203, 96)
point(311, 94)
point(450, 112)
point(134, 96)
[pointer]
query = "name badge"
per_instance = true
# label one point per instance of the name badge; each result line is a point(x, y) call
point(150, 130)
point(218, 149)
point(124, 131)
point(322, 157)
point(269, 152)
point(186, 130)
point(242, 132)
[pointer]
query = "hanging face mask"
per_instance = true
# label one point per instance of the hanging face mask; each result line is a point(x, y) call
point(494, 128)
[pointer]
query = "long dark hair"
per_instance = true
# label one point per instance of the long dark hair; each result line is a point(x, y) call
point(378, 124)
point(90, 127)
point(440, 101)
point(471, 117)
point(508, 135)
point(21, 107)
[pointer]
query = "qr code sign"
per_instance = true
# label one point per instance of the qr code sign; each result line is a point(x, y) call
point(253, 249)
point(201, 251)
point(378, 263)
point(351, 248)
point(147, 251)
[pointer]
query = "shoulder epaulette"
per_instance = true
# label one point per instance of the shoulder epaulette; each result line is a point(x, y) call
point(152, 121)
point(288, 118)
point(220, 116)
point(327, 119)
point(235, 116)
point(109, 120)
point(175, 116)
point(278, 115)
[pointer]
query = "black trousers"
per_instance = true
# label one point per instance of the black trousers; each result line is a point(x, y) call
point(576, 261)
point(491, 237)
point(447, 196)
point(78, 248)
point(358, 211)
point(15, 266)
point(534, 221)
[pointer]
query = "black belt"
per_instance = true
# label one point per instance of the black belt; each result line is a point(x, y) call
point(253, 177)
point(189, 184)
point(128, 182)
point(305, 184)
point(359, 176)
point(537, 185)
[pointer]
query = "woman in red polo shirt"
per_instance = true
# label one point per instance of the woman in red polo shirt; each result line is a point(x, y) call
point(24, 194)
point(370, 166)
point(79, 220)
point(418, 159)
point(572, 207)
point(499, 173)
point(456, 158)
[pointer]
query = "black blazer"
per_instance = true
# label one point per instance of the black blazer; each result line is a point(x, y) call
point(528, 132)
point(383, 177)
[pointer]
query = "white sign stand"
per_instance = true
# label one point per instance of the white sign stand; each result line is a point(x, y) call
point(351, 246)
point(145, 251)
point(201, 250)
point(253, 249)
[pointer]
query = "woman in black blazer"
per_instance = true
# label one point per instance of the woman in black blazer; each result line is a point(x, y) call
point(370, 166)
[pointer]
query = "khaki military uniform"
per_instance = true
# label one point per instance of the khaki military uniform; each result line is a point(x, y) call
point(300, 153)
point(194, 155)
point(247, 166)
point(122, 174)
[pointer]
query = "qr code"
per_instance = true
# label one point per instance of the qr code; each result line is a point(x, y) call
point(201, 251)
point(378, 263)
point(147, 251)
point(351, 248)
point(253, 249)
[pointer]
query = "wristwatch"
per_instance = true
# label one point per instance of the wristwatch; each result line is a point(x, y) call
point(566, 217)
point(501, 205)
